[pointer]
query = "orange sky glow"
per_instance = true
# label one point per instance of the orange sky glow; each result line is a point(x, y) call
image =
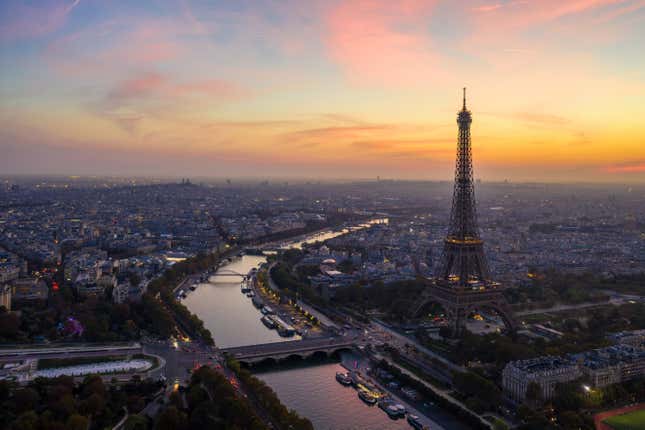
point(323, 89)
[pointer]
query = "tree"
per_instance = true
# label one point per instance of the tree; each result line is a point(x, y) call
point(93, 405)
point(26, 421)
point(571, 420)
point(26, 399)
point(136, 422)
point(77, 422)
point(499, 424)
point(171, 419)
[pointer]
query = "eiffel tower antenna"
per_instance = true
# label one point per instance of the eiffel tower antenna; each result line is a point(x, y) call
point(464, 108)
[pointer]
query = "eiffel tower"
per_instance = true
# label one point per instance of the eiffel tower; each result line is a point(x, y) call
point(463, 282)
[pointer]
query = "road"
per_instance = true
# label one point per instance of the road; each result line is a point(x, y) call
point(291, 347)
point(614, 300)
point(180, 359)
point(399, 341)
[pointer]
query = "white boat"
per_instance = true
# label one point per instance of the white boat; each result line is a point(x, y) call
point(343, 378)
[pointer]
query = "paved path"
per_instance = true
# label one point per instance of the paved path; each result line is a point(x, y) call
point(561, 308)
point(404, 339)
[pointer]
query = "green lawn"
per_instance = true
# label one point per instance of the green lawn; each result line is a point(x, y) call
point(629, 421)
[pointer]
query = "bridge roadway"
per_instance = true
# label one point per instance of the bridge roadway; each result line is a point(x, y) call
point(278, 350)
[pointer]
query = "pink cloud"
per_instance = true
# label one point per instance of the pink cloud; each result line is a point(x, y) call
point(141, 86)
point(382, 41)
point(120, 42)
point(27, 21)
point(506, 21)
point(155, 85)
point(626, 168)
point(488, 7)
point(153, 94)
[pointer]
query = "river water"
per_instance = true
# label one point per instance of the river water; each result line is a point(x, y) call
point(311, 390)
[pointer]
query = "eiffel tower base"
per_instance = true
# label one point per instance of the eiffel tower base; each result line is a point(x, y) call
point(460, 302)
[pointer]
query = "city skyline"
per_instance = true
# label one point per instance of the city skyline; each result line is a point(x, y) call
point(323, 89)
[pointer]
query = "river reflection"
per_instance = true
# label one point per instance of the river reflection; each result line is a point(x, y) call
point(313, 392)
point(229, 314)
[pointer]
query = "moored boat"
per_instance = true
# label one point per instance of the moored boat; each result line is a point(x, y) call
point(343, 378)
point(268, 321)
point(257, 302)
point(415, 422)
point(367, 397)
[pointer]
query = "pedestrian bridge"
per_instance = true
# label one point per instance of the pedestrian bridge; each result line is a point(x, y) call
point(229, 272)
point(296, 348)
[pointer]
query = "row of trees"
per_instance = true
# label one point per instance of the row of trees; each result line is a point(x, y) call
point(104, 320)
point(269, 401)
point(211, 403)
point(62, 404)
point(291, 286)
point(396, 298)
point(553, 286)
point(165, 284)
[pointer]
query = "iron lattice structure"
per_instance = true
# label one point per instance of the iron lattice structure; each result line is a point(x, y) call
point(463, 283)
point(463, 261)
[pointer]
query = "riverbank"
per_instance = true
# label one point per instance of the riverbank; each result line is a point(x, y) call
point(317, 395)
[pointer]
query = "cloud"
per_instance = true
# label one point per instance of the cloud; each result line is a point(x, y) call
point(538, 118)
point(130, 101)
point(259, 124)
point(531, 118)
point(488, 7)
point(27, 21)
point(636, 167)
point(382, 42)
point(336, 132)
point(406, 148)
point(153, 84)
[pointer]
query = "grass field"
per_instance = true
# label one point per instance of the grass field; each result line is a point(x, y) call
point(629, 421)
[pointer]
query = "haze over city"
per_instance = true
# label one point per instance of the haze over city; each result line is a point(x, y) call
point(323, 89)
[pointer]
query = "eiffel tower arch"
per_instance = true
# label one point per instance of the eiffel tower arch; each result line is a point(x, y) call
point(463, 282)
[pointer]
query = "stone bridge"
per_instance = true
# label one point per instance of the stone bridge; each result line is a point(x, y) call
point(296, 348)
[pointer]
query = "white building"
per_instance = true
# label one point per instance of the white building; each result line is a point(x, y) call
point(545, 371)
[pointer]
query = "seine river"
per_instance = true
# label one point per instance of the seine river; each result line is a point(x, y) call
point(310, 389)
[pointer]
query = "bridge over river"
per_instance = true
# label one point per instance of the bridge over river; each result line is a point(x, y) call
point(298, 348)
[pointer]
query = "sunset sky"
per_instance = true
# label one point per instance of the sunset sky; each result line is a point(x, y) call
point(328, 89)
